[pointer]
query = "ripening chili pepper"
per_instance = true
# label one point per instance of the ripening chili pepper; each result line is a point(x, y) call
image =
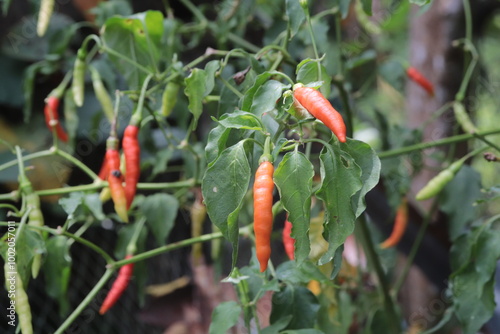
point(288, 241)
point(35, 218)
point(436, 184)
point(52, 117)
point(132, 152)
point(418, 78)
point(262, 212)
point(78, 84)
point(118, 287)
point(18, 297)
point(318, 106)
point(102, 94)
point(463, 118)
point(44, 14)
point(115, 180)
point(198, 213)
point(400, 223)
point(169, 98)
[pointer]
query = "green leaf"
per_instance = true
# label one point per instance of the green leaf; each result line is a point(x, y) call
point(195, 90)
point(216, 142)
point(341, 180)
point(71, 203)
point(224, 317)
point(366, 158)
point(460, 209)
point(421, 2)
point(250, 93)
point(473, 282)
point(241, 120)
point(160, 211)
point(295, 15)
point(277, 326)
point(298, 302)
point(394, 73)
point(309, 71)
point(125, 235)
point(210, 70)
point(94, 204)
point(224, 185)
point(293, 177)
point(58, 267)
point(367, 6)
point(266, 96)
point(138, 39)
point(289, 272)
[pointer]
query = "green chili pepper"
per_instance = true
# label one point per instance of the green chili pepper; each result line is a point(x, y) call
point(435, 185)
point(102, 94)
point(79, 68)
point(169, 98)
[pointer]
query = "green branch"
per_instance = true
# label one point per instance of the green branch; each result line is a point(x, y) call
point(440, 142)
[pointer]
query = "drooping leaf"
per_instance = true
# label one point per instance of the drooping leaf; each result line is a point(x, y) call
point(460, 209)
point(195, 89)
point(366, 158)
point(58, 267)
point(224, 185)
point(160, 211)
point(224, 317)
point(341, 180)
point(293, 178)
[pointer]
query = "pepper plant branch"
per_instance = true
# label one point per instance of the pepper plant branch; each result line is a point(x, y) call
point(85, 302)
point(77, 163)
point(44, 153)
point(59, 231)
point(344, 99)
point(414, 249)
point(375, 262)
point(440, 142)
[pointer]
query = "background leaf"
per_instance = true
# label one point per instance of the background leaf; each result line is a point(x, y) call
point(298, 302)
point(160, 211)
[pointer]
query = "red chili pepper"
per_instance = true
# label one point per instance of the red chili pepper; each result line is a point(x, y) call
point(103, 172)
point(118, 287)
point(318, 106)
point(400, 223)
point(422, 81)
point(115, 183)
point(288, 241)
point(132, 152)
point(52, 117)
point(263, 212)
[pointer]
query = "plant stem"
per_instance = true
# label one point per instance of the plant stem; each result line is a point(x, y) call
point(242, 42)
point(44, 153)
point(338, 36)
point(440, 142)
point(414, 249)
point(77, 163)
point(374, 260)
point(85, 302)
point(173, 246)
point(344, 99)
point(468, 20)
point(231, 88)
